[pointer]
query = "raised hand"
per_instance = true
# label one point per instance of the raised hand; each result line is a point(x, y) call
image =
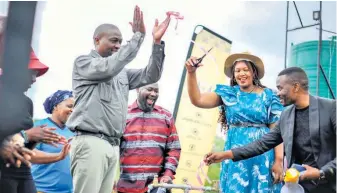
point(138, 21)
point(189, 64)
point(160, 29)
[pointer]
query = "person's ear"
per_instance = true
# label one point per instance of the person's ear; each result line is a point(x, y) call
point(296, 87)
point(96, 41)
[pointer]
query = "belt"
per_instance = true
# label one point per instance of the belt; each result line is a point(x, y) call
point(114, 141)
point(247, 125)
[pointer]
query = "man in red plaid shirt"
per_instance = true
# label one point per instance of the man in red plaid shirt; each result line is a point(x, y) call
point(150, 144)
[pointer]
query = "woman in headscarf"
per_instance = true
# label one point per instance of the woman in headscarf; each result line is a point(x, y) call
point(51, 164)
point(248, 111)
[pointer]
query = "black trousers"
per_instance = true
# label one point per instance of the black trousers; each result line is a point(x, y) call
point(8, 185)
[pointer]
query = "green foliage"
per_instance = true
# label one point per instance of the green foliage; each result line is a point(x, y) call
point(214, 170)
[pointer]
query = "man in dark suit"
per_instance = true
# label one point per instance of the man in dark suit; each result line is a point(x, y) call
point(307, 128)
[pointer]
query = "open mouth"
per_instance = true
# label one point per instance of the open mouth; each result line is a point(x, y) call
point(243, 79)
point(150, 101)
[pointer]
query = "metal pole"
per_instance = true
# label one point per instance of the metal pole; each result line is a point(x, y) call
point(286, 44)
point(327, 82)
point(184, 187)
point(328, 31)
point(302, 27)
point(298, 14)
point(319, 48)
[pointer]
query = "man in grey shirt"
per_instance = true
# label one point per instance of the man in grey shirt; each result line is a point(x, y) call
point(101, 87)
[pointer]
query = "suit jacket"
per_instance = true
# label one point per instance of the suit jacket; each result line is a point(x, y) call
point(322, 126)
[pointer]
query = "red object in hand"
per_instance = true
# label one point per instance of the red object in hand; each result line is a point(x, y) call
point(175, 14)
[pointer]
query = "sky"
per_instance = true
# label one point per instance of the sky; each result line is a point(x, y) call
point(63, 30)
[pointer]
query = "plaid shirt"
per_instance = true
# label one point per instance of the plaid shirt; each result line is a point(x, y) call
point(150, 146)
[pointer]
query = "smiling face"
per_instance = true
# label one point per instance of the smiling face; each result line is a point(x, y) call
point(286, 90)
point(63, 110)
point(147, 97)
point(108, 42)
point(292, 84)
point(243, 74)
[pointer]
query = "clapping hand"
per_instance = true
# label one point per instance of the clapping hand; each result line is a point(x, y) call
point(138, 21)
point(45, 135)
point(160, 29)
point(15, 154)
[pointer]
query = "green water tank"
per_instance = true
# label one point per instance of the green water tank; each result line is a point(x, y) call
point(305, 54)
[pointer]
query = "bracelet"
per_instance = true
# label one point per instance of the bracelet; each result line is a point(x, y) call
point(24, 135)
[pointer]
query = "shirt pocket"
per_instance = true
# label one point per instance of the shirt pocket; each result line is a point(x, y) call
point(94, 109)
point(105, 91)
point(124, 84)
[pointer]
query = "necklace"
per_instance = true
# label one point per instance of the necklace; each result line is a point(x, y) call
point(249, 91)
point(252, 90)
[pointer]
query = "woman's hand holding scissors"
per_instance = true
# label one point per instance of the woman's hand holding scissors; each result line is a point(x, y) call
point(191, 64)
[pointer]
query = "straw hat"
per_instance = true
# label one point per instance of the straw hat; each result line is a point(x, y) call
point(244, 56)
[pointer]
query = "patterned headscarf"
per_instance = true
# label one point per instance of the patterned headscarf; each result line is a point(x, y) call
point(55, 99)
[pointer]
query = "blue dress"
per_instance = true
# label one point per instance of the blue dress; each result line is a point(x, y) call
point(253, 175)
point(54, 177)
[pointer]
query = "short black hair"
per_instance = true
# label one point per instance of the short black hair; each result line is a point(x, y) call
point(103, 28)
point(296, 74)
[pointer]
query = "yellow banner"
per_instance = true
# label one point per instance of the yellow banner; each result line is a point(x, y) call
point(197, 127)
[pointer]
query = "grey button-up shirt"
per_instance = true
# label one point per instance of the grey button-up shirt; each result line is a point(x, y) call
point(101, 87)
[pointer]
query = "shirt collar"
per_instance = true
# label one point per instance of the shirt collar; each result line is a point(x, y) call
point(61, 127)
point(95, 54)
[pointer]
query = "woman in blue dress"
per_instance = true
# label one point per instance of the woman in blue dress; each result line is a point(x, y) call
point(248, 111)
point(51, 164)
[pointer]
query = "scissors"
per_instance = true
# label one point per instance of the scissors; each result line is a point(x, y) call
point(199, 60)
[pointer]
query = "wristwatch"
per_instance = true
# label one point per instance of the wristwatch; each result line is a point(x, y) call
point(321, 175)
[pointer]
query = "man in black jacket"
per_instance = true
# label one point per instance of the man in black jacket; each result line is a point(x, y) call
point(307, 128)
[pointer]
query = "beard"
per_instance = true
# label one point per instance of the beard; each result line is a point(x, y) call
point(142, 103)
